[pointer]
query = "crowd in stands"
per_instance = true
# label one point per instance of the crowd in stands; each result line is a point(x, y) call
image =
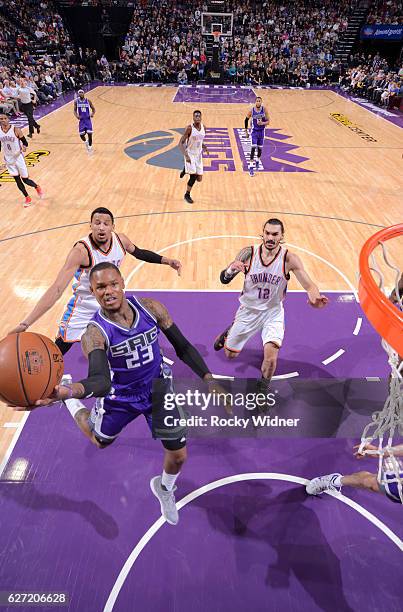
point(273, 43)
point(281, 43)
point(371, 77)
point(386, 11)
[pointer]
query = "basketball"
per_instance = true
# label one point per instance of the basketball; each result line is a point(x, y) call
point(31, 365)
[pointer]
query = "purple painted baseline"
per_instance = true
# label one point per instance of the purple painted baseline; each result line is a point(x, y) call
point(396, 117)
point(70, 521)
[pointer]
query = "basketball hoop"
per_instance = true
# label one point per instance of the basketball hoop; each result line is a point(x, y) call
point(387, 319)
point(216, 35)
point(383, 315)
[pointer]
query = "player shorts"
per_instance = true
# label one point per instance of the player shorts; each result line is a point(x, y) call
point(85, 126)
point(110, 416)
point(17, 166)
point(391, 489)
point(195, 166)
point(257, 138)
point(78, 314)
point(247, 322)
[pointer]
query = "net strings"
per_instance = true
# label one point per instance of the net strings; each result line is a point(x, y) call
point(388, 422)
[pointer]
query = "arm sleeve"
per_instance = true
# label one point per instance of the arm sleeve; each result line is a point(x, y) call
point(224, 278)
point(24, 141)
point(246, 122)
point(148, 256)
point(186, 351)
point(98, 381)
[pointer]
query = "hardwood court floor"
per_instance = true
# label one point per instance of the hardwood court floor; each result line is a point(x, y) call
point(351, 185)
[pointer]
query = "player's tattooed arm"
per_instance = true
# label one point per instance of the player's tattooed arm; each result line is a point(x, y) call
point(295, 265)
point(92, 108)
point(92, 339)
point(183, 348)
point(183, 142)
point(241, 263)
point(75, 110)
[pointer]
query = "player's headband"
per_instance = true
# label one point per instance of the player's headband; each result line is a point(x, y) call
point(80, 91)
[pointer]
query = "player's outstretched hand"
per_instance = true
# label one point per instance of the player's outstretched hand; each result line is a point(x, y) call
point(237, 266)
point(215, 387)
point(59, 393)
point(316, 300)
point(176, 265)
point(370, 447)
point(18, 330)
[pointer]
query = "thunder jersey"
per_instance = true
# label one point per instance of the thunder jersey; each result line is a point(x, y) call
point(10, 144)
point(265, 285)
point(195, 141)
point(83, 108)
point(82, 296)
point(256, 115)
point(134, 354)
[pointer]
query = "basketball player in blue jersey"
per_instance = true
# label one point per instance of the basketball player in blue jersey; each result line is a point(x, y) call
point(267, 267)
point(387, 485)
point(84, 110)
point(259, 121)
point(121, 344)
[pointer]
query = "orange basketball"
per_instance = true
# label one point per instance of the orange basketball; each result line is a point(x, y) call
point(31, 365)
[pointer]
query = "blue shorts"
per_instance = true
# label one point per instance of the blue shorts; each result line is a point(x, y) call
point(391, 489)
point(257, 138)
point(85, 125)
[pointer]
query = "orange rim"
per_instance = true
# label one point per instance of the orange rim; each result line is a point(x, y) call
point(382, 314)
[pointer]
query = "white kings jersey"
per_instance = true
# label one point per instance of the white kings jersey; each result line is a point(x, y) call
point(195, 141)
point(265, 286)
point(82, 295)
point(10, 144)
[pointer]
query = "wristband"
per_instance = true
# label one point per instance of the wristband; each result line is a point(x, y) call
point(70, 388)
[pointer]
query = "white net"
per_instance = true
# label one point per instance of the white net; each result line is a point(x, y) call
point(382, 435)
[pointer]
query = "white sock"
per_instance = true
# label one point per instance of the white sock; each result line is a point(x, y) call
point(337, 481)
point(168, 480)
point(73, 405)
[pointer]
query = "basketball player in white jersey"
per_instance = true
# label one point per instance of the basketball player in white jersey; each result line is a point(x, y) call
point(192, 146)
point(101, 245)
point(267, 268)
point(13, 143)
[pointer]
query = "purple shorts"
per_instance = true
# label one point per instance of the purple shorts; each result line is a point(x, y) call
point(257, 138)
point(110, 416)
point(85, 125)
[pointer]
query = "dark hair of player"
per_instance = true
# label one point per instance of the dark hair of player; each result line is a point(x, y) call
point(104, 265)
point(197, 111)
point(275, 222)
point(258, 98)
point(102, 211)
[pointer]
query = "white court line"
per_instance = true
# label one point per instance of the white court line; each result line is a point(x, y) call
point(357, 326)
point(333, 357)
point(372, 378)
point(220, 483)
point(11, 425)
point(13, 442)
point(198, 239)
